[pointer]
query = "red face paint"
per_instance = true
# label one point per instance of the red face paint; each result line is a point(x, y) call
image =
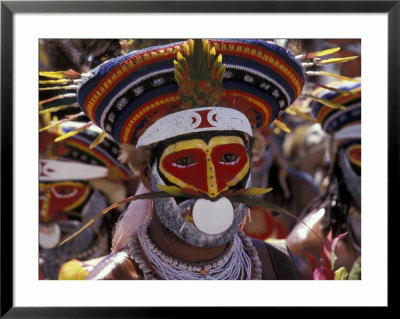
point(210, 168)
point(228, 160)
point(189, 166)
point(55, 198)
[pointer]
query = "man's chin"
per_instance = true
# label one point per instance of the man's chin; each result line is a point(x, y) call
point(179, 220)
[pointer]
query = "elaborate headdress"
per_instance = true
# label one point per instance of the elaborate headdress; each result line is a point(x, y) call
point(343, 124)
point(74, 159)
point(342, 120)
point(186, 87)
point(343, 116)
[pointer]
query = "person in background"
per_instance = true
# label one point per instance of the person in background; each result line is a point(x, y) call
point(293, 189)
point(75, 183)
point(339, 207)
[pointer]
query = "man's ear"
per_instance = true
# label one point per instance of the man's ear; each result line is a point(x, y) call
point(145, 177)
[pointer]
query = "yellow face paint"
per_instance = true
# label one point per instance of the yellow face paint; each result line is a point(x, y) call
point(210, 167)
point(60, 196)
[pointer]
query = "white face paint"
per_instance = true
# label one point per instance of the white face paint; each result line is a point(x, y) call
point(198, 222)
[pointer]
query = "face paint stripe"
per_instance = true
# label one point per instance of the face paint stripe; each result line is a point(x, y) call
point(44, 211)
point(211, 176)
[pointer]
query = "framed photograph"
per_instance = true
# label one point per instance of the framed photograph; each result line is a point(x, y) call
point(373, 26)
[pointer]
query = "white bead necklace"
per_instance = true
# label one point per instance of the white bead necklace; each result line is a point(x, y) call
point(240, 262)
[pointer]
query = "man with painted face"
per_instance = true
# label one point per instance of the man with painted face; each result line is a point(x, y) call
point(75, 183)
point(185, 116)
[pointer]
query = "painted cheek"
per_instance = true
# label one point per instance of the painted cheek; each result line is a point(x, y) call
point(63, 198)
point(191, 175)
point(229, 173)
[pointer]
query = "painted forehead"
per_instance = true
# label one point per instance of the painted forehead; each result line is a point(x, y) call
point(210, 165)
point(204, 136)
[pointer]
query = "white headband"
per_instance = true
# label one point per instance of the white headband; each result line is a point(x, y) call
point(51, 170)
point(195, 120)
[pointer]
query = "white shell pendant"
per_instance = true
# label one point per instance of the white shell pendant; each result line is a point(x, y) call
point(213, 217)
point(49, 235)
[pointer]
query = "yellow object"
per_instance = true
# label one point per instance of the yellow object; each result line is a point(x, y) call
point(78, 270)
point(72, 270)
point(254, 191)
point(72, 133)
point(282, 126)
point(301, 114)
point(322, 53)
point(99, 139)
point(341, 274)
point(337, 60)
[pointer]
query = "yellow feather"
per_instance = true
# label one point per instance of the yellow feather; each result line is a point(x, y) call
point(59, 81)
point(99, 139)
point(337, 60)
point(69, 118)
point(72, 133)
point(178, 66)
point(338, 76)
point(301, 114)
point(67, 87)
point(322, 53)
point(178, 77)
point(54, 75)
point(282, 126)
point(328, 103)
point(54, 109)
point(191, 46)
point(344, 92)
point(172, 190)
point(221, 72)
point(179, 56)
point(206, 46)
point(254, 191)
point(186, 49)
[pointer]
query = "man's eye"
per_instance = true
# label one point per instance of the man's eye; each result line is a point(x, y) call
point(228, 158)
point(64, 191)
point(185, 161)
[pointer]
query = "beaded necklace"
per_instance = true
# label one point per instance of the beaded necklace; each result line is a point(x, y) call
point(239, 262)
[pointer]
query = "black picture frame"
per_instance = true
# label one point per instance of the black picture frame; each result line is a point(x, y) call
point(9, 8)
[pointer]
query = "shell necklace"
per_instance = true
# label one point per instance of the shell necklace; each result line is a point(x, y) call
point(239, 262)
